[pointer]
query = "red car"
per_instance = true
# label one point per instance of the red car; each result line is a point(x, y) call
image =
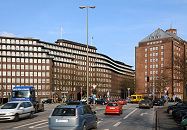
point(113, 108)
point(122, 102)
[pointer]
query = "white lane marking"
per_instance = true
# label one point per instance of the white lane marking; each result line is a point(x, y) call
point(38, 125)
point(130, 113)
point(41, 127)
point(117, 124)
point(29, 124)
point(99, 122)
point(143, 114)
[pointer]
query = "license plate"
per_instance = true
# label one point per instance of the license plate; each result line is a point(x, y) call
point(59, 120)
point(112, 108)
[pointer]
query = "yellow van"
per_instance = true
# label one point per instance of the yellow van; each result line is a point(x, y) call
point(136, 98)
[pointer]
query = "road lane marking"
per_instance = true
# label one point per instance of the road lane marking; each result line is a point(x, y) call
point(143, 114)
point(41, 127)
point(29, 124)
point(130, 113)
point(99, 122)
point(38, 125)
point(117, 124)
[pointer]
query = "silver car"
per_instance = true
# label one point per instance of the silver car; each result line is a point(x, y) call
point(72, 117)
point(15, 110)
point(146, 103)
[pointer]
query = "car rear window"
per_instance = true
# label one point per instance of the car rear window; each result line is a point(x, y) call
point(64, 112)
point(112, 104)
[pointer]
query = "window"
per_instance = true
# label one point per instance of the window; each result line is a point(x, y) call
point(35, 60)
point(22, 67)
point(64, 112)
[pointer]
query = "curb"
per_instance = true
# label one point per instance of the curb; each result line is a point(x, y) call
point(156, 121)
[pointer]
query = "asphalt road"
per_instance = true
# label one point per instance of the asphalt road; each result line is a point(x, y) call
point(132, 118)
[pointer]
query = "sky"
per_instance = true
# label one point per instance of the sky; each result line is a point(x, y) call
point(115, 26)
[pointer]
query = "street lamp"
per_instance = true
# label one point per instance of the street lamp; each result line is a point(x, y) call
point(87, 7)
point(81, 93)
point(128, 91)
point(2, 92)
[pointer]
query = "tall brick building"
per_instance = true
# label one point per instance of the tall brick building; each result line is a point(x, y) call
point(59, 69)
point(160, 64)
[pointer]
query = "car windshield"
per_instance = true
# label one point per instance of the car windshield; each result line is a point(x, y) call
point(9, 106)
point(21, 94)
point(64, 112)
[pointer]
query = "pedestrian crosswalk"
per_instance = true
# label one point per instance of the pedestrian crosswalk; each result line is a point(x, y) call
point(34, 125)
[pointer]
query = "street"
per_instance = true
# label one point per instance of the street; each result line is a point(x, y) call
point(132, 118)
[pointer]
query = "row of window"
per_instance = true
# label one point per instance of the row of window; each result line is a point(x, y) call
point(17, 41)
point(29, 74)
point(155, 42)
point(153, 72)
point(75, 46)
point(22, 54)
point(22, 48)
point(154, 60)
point(177, 48)
point(24, 80)
point(24, 67)
point(155, 66)
point(175, 89)
point(60, 48)
point(154, 48)
point(103, 80)
point(155, 54)
point(23, 60)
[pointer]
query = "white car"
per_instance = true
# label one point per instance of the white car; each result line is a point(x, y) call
point(15, 110)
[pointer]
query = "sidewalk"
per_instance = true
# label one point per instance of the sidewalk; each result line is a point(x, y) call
point(165, 121)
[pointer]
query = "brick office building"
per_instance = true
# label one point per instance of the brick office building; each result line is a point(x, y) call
point(59, 69)
point(160, 64)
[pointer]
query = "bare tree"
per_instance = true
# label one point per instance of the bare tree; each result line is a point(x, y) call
point(177, 72)
point(161, 83)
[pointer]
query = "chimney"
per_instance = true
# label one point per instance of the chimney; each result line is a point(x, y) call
point(173, 31)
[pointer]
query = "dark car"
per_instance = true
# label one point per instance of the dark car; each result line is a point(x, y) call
point(178, 110)
point(76, 103)
point(179, 115)
point(48, 101)
point(146, 103)
point(158, 102)
point(72, 117)
point(101, 101)
point(177, 105)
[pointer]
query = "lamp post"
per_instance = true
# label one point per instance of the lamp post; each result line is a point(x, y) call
point(2, 92)
point(128, 91)
point(87, 84)
point(81, 93)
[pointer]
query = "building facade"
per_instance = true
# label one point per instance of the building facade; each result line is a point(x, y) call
point(160, 64)
point(59, 69)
